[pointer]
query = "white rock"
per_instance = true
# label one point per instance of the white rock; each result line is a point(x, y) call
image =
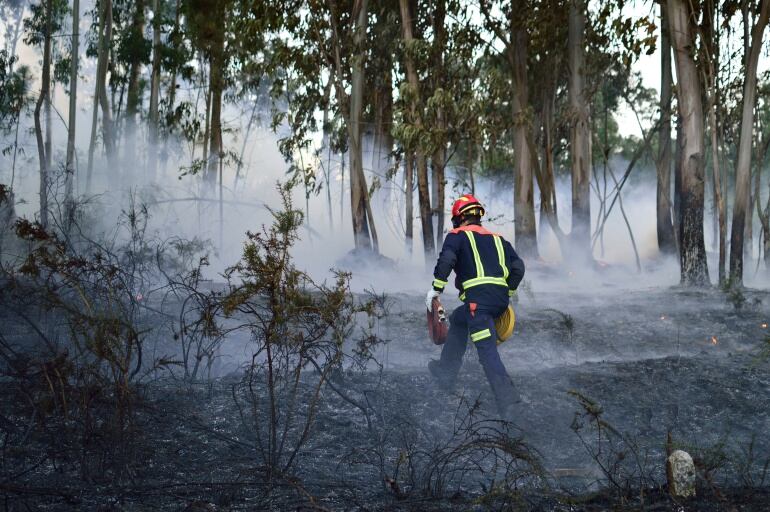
point(680, 471)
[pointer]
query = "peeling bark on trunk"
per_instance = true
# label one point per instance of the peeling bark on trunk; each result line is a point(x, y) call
point(70, 162)
point(743, 169)
point(665, 227)
point(692, 250)
point(580, 133)
point(523, 187)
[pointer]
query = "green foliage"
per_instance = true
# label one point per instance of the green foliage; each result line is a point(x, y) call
point(14, 91)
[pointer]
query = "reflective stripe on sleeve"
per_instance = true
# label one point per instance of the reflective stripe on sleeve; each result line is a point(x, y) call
point(438, 283)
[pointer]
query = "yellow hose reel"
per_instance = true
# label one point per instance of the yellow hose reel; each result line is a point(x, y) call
point(504, 325)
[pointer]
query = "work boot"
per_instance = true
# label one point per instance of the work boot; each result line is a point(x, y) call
point(509, 402)
point(440, 375)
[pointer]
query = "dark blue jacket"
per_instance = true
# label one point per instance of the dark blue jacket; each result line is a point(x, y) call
point(487, 269)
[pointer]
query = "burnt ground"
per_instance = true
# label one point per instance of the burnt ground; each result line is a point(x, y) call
point(645, 363)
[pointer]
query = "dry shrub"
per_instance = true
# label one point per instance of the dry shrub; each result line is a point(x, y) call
point(302, 333)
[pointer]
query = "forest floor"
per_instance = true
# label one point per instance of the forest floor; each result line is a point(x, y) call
point(645, 362)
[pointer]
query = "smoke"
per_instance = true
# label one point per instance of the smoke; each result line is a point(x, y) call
point(185, 206)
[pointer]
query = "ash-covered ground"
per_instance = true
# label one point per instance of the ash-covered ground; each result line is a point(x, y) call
point(604, 375)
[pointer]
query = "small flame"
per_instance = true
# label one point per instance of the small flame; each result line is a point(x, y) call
point(714, 340)
point(662, 317)
point(764, 326)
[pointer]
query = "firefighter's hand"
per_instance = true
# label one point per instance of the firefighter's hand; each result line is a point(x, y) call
point(429, 298)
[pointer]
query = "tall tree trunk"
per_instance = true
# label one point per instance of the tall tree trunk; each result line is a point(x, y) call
point(743, 169)
point(678, 178)
point(104, 102)
point(710, 55)
point(206, 125)
point(580, 133)
point(423, 195)
point(546, 176)
point(692, 249)
point(43, 149)
point(439, 157)
point(217, 86)
point(523, 187)
point(133, 97)
point(100, 9)
point(152, 135)
point(49, 122)
point(358, 189)
point(764, 216)
point(438, 163)
point(409, 186)
point(665, 228)
point(719, 201)
point(174, 41)
point(70, 163)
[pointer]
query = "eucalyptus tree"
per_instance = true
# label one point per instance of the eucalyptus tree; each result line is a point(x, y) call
point(580, 134)
point(411, 130)
point(743, 169)
point(40, 29)
point(664, 224)
point(134, 49)
point(512, 29)
point(314, 47)
point(207, 23)
point(103, 12)
point(69, 167)
point(692, 249)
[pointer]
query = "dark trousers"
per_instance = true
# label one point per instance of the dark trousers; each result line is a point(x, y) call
point(476, 322)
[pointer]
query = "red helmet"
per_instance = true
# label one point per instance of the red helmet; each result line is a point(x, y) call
point(466, 204)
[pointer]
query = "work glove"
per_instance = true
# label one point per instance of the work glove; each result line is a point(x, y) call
point(429, 298)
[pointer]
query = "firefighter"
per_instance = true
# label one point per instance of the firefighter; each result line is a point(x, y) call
point(487, 273)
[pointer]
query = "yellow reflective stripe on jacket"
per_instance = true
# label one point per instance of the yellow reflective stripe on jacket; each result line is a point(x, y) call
point(480, 335)
point(501, 256)
point(470, 283)
point(476, 256)
point(438, 283)
point(480, 276)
